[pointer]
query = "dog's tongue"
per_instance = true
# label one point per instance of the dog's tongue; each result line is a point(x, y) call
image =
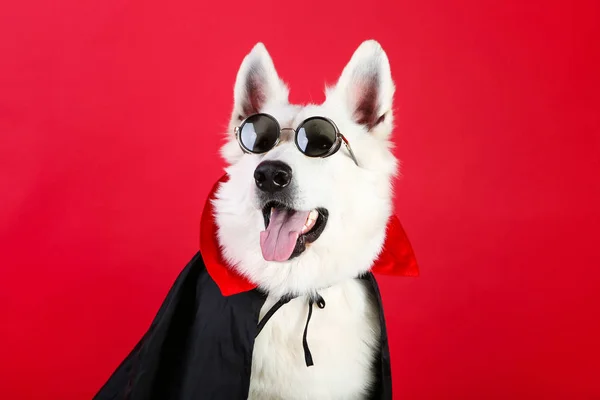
point(278, 241)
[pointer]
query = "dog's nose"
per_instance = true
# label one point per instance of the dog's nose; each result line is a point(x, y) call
point(272, 176)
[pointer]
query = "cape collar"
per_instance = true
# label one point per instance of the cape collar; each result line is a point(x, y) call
point(396, 259)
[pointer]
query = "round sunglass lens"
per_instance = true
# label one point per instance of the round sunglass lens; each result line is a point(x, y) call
point(259, 133)
point(316, 137)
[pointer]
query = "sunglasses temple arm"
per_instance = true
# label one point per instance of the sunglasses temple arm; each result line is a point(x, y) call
point(349, 149)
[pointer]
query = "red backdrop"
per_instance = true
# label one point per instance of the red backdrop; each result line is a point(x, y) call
point(110, 121)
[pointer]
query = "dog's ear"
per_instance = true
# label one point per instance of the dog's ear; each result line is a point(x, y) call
point(257, 84)
point(366, 89)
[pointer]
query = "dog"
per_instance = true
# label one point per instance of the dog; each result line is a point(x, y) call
point(309, 227)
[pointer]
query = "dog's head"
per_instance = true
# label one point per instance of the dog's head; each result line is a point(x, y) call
point(293, 223)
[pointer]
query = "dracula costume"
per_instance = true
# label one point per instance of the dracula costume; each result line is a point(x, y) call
point(199, 345)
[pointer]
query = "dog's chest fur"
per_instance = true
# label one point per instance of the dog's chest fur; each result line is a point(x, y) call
point(343, 338)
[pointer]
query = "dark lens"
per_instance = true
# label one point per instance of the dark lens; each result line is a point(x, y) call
point(316, 137)
point(259, 133)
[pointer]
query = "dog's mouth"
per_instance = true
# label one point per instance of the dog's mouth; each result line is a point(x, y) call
point(288, 231)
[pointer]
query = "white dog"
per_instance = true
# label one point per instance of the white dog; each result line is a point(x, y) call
point(281, 301)
point(310, 227)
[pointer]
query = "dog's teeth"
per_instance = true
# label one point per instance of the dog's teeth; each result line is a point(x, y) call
point(310, 221)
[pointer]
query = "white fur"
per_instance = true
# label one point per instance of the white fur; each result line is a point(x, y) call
point(344, 335)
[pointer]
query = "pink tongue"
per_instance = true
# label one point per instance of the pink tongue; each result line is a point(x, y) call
point(278, 241)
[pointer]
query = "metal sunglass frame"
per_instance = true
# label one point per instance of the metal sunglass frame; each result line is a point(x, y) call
point(339, 137)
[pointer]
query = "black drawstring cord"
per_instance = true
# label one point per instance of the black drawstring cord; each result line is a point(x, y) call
point(284, 300)
point(307, 355)
point(271, 312)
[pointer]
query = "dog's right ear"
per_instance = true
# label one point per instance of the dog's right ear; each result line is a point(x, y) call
point(257, 84)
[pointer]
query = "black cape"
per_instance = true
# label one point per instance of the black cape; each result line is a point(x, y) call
point(200, 345)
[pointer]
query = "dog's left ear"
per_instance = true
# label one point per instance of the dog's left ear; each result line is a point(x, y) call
point(366, 89)
point(257, 84)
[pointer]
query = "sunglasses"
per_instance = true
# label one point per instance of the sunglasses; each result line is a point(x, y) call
point(314, 137)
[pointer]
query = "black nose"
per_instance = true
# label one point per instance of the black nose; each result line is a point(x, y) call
point(272, 176)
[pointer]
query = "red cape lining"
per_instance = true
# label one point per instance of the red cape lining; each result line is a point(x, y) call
point(396, 259)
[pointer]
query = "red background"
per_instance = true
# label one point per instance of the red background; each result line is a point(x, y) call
point(110, 121)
